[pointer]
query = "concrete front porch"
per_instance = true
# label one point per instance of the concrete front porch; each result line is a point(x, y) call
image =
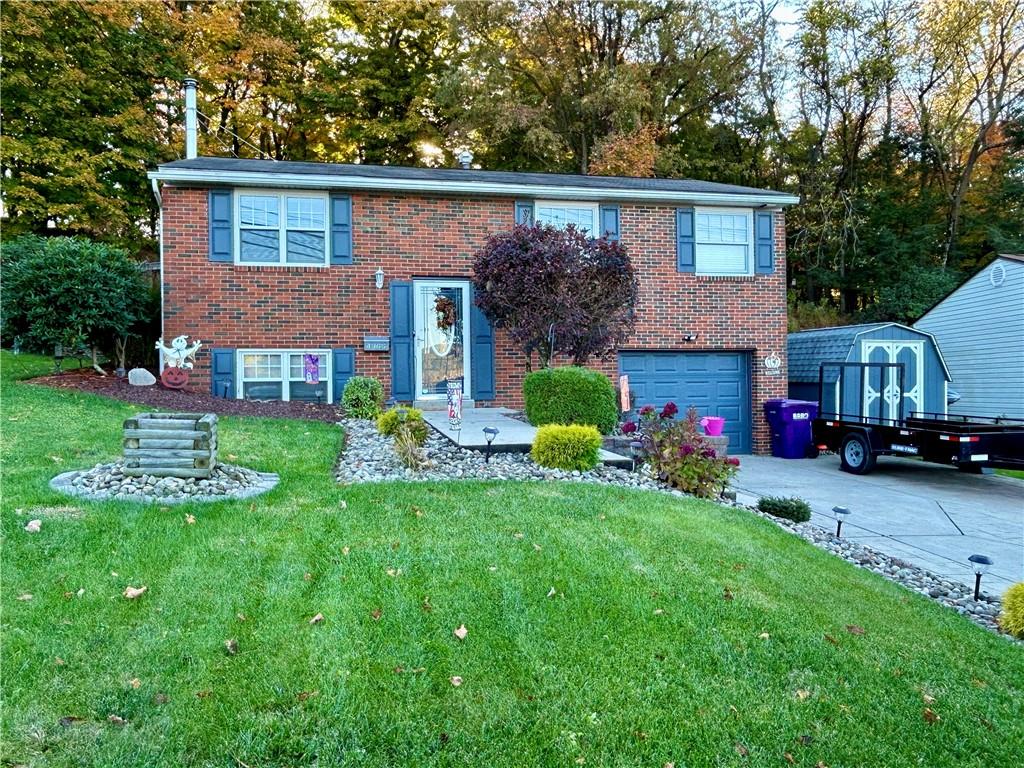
point(513, 436)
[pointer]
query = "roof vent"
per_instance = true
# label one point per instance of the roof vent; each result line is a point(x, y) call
point(997, 275)
point(466, 159)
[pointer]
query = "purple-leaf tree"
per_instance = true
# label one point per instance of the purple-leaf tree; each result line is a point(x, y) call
point(557, 291)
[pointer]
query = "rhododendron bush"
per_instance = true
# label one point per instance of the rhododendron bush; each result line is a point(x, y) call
point(680, 455)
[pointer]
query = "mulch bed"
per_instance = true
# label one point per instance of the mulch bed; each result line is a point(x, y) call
point(158, 396)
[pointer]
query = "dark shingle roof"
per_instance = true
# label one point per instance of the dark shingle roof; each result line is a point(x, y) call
point(807, 350)
point(396, 172)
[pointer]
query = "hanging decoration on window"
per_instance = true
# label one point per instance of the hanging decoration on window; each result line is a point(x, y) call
point(179, 359)
point(311, 368)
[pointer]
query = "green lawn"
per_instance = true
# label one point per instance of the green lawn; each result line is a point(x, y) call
point(638, 659)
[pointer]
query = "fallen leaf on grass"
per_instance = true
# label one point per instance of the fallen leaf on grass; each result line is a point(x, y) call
point(398, 670)
point(806, 739)
point(855, 629)
point(25, 596)
point(536, 547)
point(789, 758)
point(231, 646)
point(190, 519)
point(231, 457)
point(240, 616)
point(33, 526)
point(394, 572)
point(602, 517)
point(551, 592)
point(581, 760)
point(80, 592)
point(930, 717)
point(71, 720)
point(303, 695)
point(161, 698)
point(456, 680)
point(820, 764)
point(831, 639)
point(131, 592)
point(56, 459)
point(307, 577)
point(741, 750)
point(395, 545)
point(317, 619)
point(727, 594)
point(669, 765)
point(802, 694)
point(658, 611)
point(204, 694)
point(461, 632)
point(764, 636)
point(927, 699)
point(343, 504)
point(417, 511)
point(135, 683)
point(492, 568)
point(116, 720)
point(376, 613)
point(345, 551)
point(517, 535)
point(426, 606)
point(58, 661)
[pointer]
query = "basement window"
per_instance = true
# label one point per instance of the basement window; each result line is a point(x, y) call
point(289, 375)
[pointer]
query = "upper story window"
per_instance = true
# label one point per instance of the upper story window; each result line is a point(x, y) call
point(724, 241)
point(282, 228)
point(583, 216)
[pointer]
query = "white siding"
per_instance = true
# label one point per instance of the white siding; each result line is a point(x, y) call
point(980, 331)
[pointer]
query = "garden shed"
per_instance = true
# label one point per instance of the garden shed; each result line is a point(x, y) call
point(869, 391)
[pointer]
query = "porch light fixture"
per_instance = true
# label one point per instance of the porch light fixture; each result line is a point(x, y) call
point(981, 565)
point(378, 278)
point(489, 434)
point(841, 514)
point(636, 452)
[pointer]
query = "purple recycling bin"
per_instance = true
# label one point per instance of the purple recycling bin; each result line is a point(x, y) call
point(790, 422)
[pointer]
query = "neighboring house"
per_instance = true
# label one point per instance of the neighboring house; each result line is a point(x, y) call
point(980, 328)
point(875, 391)
point(297, 276)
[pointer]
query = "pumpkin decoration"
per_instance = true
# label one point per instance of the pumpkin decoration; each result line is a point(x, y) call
point(174, 377)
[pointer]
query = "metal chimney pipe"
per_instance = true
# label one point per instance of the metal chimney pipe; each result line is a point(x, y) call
point(191, 125)
point(466, 159)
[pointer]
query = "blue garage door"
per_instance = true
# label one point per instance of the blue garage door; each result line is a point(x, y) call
point(716, 383)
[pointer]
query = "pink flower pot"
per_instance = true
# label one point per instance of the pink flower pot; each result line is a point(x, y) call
point(712, 425)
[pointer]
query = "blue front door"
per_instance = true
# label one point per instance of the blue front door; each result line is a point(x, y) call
point(715, 383)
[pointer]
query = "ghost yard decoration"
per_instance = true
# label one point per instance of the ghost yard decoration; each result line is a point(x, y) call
point(179, 359)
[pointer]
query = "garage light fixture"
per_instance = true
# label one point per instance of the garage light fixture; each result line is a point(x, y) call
point(981, 565)
point(689, 337)
point(841, 514)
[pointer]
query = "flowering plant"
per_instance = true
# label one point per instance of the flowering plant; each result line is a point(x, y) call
point(628, 427)
point(682, 457)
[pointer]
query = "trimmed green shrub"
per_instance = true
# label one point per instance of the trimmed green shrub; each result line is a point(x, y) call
point(391, 421)
point(571, 395)
point(793, 508)
point(363, 397)
point(561, 446)
point(1012, 617)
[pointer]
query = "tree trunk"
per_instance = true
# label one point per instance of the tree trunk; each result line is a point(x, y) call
point(96, 362)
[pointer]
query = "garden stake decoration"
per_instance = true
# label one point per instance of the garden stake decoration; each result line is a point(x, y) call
point(981, 565)
point(489, 434)
point(841, 514)
point(179, 359)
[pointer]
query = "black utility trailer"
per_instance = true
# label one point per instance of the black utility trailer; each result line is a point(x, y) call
point(860, 435)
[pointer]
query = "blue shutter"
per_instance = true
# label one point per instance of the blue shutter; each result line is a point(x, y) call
point(222, 238)
point(524, 212)
point(764, 240)
point(343, 368)
point(609, 216)
point(686, 246)
point(341, 229)
point(222, 372)
point(481, 340)
point(401, 341)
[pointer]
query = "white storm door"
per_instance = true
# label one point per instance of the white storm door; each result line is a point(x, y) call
point(441, 317)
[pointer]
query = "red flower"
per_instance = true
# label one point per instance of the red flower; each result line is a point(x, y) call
point(733, 461)
point(669, 410)
point(629, 427)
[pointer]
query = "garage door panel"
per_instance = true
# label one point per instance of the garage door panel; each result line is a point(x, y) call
point(715, 383)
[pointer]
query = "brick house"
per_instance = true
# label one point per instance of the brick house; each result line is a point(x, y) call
point(297, 276)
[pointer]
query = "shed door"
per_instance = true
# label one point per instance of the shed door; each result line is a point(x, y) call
point(716, 383)
point(884, 384)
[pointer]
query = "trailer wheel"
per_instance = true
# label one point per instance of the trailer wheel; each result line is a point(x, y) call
point(855, 455)
point(971, 469)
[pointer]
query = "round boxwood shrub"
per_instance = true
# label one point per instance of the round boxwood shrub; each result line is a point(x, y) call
point(389, 422)
point(570, 395)
point(566, 446)
point(793, 508)
point(363, 397)
point(1012, 617)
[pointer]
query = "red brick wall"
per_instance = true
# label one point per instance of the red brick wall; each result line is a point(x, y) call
point(429, 236)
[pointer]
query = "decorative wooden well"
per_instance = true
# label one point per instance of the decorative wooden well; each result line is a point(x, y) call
point(170, 444)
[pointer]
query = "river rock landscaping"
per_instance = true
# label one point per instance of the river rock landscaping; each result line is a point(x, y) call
point(108, 481)
point(370, 457)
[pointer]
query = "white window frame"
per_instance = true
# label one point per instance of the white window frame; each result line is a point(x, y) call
point(282, 227)
point(745, 212)
point(326, 366)
point(595, 207)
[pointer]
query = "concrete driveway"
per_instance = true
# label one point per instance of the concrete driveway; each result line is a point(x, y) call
point(928, 514)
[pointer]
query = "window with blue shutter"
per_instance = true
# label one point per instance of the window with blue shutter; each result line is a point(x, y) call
point(609, 216)
point(402, 336)
point(222, 372)
point(341, 229)
point(343, 368)
point(222, 236)
point(524, 212)
point(764, 242)
point(686, 245)
point(481, 336)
